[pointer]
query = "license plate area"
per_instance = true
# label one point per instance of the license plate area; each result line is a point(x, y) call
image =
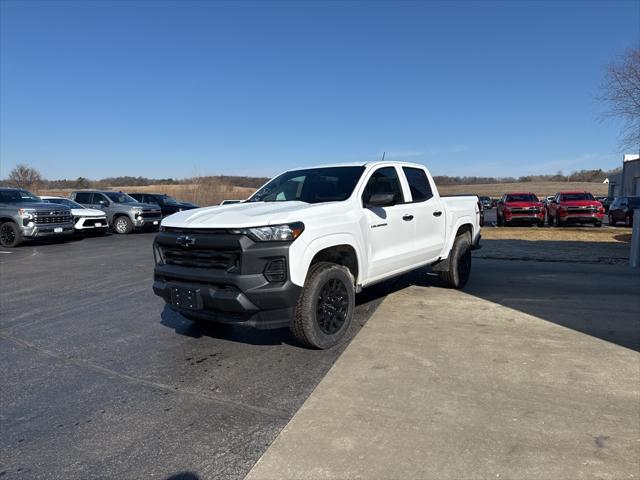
point(186, 298)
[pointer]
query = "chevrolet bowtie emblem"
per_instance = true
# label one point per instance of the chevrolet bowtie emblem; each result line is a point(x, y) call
point(186, 241)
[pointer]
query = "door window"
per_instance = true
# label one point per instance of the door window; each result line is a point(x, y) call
point(383, 180)
point(418, 184)
point(84, 197)
point(100, 199)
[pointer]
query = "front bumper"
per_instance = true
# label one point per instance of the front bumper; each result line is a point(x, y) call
point(91, 223)
point(240, 294)
point(147, 222)
point(525, 217)
point(581, 218)
point(47, 230)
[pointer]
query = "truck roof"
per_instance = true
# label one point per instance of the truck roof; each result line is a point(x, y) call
point(363, 164)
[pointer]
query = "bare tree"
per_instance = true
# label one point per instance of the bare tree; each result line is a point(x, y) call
point(23, 176)
point(621, 94)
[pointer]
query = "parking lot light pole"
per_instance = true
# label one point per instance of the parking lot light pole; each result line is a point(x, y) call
point(634, 257)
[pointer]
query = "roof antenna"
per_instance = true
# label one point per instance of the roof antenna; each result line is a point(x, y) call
point(383, 154)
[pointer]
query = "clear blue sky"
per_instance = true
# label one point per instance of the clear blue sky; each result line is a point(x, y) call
point(169, 89)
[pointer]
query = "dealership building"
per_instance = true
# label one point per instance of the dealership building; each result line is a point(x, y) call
point(627, 182)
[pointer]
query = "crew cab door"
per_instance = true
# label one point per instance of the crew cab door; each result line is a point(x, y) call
point(429, 215)
point(388, 228)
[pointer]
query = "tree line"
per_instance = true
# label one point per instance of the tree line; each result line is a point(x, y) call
point(591, 176)
point(23, 176)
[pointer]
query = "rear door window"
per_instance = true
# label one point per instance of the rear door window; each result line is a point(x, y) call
point(418, 184)
point(84, 197)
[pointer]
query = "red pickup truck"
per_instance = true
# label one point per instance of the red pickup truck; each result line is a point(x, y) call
point(574, 207)
point(520, 207)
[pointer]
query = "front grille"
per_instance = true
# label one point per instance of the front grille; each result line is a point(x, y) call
point(58, 216)
point(525, 210)
point(91, 222)
point(149, 215)
point(582, 209)
point(201, 258)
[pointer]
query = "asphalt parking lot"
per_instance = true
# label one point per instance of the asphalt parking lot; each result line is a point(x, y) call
point(100, 381)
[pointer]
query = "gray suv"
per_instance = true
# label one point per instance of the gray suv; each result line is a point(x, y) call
point(123, 212)
point(24, 215)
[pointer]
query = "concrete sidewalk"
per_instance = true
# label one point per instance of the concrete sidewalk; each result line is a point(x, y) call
point(449, 385)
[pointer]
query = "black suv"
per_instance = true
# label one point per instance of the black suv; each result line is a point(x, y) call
point(621, 210)
point(167, 204)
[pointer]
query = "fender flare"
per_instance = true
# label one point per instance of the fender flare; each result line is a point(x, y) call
point(305, 252)
point(465, 220)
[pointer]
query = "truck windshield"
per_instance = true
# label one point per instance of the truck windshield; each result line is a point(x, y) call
point(572, 197)
point(522, 197)
point(64, 201)
point(119, 197)
point(18, 196)
point(167, 200)
point(314, 185)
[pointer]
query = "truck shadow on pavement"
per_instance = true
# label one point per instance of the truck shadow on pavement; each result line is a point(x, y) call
point(366, 303)
point(596, 299)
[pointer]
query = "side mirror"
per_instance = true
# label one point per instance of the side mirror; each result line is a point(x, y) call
point(381, 200)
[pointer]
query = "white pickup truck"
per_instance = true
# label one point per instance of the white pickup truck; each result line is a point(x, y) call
point(299, 249)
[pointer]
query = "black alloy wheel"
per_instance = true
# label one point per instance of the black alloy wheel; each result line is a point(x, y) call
point(10, 235)
point(332, 306)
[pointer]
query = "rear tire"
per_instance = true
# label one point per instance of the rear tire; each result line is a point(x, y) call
point(627, 221)
point(500, 221)
point(459, 263)
point(10, 235)
point(325, 308)
point(122, 225)
point(541, 223)
point(598, 224)
point(612, 222)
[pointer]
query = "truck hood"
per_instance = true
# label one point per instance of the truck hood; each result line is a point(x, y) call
point(40, 206)
point(240, 215)
point(87, 212)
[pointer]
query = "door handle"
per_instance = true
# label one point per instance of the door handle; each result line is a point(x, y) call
point(437, 213)
point(407, 218)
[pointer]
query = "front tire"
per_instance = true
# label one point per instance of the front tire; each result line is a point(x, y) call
point(612, 222)
point(10, 235)
point(325, 308)
point(123, 225)
point(459, 263)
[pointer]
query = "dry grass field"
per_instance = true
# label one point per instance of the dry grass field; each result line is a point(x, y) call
point(568, 234)
point(213, 192)
point(541, 189)
point(203, 194)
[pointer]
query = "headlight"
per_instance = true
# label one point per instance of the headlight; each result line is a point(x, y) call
point(25, 213)
point(274, 233)
point(136, 210)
